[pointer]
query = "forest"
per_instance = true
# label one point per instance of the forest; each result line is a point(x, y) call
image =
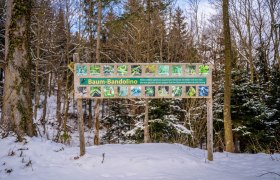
point(239, 38)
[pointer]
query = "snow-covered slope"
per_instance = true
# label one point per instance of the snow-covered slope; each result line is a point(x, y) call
point(45, 160)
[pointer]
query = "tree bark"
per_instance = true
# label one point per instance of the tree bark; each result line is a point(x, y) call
point(91, 44)
point(45, 102)
point(90, 114)
point(147, 138)
point(67, 50)
point(58, 100)
point(96, 108)
point(50, 85)
point(96, 123)
point(37, 86)
point(272, 8)
point(248, 25)
point(17, 100)
point(227, 80)
point(146, 119)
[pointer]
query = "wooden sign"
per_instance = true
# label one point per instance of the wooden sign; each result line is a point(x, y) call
point(176, 80)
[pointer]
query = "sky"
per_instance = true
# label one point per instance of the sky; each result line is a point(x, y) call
point(204, 6)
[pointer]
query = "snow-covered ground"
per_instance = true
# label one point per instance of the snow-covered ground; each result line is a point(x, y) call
point(40, 159)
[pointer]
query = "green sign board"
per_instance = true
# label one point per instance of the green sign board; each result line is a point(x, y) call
point(142, 81)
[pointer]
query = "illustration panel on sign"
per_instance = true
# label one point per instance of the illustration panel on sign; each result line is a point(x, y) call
point(94, 70)
point(95, 91)
point(177, 70)
point(81, 70)
point(203, 90)
point(143, 80)
point(108, 70)
point(150, 91)
point(163, 70)
point(190, 69)
point(203, 69)
point(82, 91)
point(136, 91)
point(150, 69)
point(109, 91)
point(191, 91)
point(163, 90)
point(122, 70)
point(122, 91)
point(136, 70)
point(177, 91)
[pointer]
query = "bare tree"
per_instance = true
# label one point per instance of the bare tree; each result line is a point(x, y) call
point(242, 21)
point(227, 79)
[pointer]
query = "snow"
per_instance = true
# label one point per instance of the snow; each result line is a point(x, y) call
point(138, 125)
point(42, 159)
point(182, 129)
point(52, 161)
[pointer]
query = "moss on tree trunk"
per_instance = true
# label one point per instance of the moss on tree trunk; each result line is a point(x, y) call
point(17, 102)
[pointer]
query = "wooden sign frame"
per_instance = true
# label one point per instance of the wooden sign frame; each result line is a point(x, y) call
point(151, 79)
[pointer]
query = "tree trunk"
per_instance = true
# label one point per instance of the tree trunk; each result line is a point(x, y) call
point(146, 123)
point(248, 24)
point(91, 29)
point(45, 102)
point(66, 101)
point(227, 81)
point(58, 100)
point(98, 31)
point(37, 86)
point(96, 123)
point(17, 100)
point(90, 114)
point(50, 88)
point(146, 119)
point(274, 28)
point(96, 108)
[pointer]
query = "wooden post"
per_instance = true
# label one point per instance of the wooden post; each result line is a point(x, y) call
point(81, 126)
point(146, 123)
point(210, 128)
point(80, 116)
